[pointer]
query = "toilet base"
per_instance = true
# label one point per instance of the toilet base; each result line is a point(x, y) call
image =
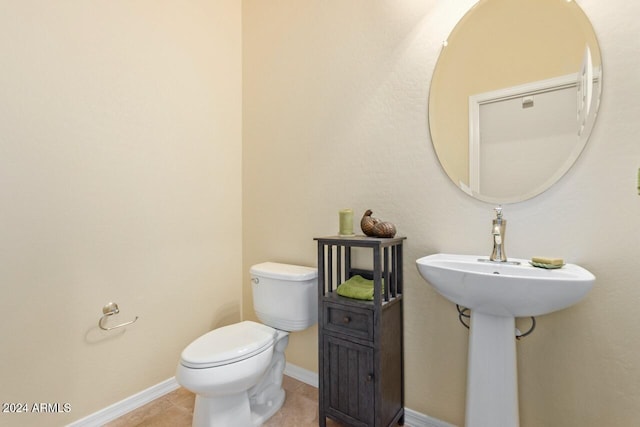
point(230, 410)
point(235, 410)
point(260, 413)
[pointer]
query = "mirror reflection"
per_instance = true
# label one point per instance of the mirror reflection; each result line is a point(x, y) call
point(514, 96)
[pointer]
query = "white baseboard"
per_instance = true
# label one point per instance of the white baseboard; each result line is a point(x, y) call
point(411, 418)
point(301, 374)
point(416, 419)
point(118, 409)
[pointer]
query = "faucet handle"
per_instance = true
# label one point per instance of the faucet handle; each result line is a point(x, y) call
point(498, 210)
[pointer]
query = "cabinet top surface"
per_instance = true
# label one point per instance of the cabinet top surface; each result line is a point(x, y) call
point(361, 240)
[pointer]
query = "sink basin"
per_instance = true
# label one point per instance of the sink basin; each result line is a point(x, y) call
point(504, 289)
point(497, 293)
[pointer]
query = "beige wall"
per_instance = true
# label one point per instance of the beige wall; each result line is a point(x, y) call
point(335, 115)
point(120, 180)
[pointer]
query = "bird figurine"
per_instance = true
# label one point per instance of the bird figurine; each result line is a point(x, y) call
point(368, 222)
point(373, 227)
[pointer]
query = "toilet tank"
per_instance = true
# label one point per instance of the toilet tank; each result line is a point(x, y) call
point(285, 296)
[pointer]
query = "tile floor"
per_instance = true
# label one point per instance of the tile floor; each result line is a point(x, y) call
point(300, 409)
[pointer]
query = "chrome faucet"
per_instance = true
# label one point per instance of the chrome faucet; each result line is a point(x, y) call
point(499, 229)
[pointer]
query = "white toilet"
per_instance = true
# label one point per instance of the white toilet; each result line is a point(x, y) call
point(236, 370)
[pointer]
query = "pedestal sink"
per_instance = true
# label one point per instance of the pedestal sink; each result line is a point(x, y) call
point(497, 293)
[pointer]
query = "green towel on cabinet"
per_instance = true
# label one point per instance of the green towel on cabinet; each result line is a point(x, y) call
point(357, 287)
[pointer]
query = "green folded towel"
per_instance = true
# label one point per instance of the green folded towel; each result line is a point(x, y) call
point(357, 287)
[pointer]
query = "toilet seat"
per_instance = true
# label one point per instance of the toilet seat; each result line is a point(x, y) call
point(228, 344)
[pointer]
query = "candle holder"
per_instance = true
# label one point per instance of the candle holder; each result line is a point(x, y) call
point(346, 223)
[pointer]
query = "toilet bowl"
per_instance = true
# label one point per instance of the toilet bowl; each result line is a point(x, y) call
point(236, 371)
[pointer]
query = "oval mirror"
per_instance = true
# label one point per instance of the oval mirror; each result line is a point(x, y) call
point(514, 97)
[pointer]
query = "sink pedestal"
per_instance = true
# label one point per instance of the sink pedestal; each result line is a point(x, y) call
point(492, 384)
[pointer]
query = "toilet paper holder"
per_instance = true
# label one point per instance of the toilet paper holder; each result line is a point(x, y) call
point(110, 309)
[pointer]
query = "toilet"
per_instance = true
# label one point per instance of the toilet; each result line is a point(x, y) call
point(236, 371)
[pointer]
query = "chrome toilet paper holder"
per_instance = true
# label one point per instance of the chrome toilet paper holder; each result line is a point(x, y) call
point(111, 309)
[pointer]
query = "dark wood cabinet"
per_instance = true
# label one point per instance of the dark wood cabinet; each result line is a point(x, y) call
point(361, 370)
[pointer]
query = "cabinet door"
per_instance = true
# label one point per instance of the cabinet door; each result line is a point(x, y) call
point(348, 379)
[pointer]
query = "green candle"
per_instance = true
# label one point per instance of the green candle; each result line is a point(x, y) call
point(346, 222)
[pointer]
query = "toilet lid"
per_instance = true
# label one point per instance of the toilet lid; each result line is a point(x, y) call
point(228, 344)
